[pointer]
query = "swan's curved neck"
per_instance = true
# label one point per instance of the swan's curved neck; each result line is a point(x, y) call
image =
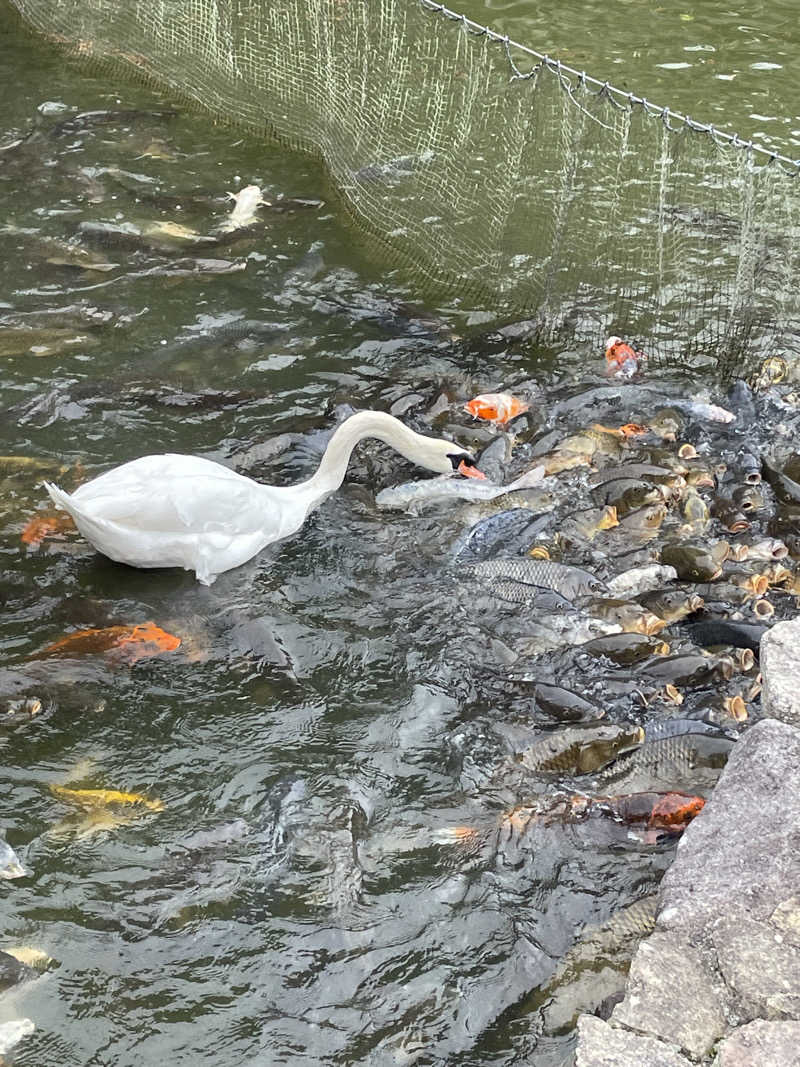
point(331, 471)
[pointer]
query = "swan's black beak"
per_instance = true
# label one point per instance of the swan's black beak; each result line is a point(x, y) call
point(465, 464)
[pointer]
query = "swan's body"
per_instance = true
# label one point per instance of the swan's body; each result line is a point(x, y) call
point(182, 511)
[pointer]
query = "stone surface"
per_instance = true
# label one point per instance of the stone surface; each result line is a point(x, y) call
point(601, 1045)
point(674, 995)
point(761, 965)
point(780, 669)
point(719, 979)
point(761, 1044)
point(741, 856)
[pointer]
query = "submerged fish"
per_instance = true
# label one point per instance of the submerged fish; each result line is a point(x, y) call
point(632, 617)
point(103, 798)
point(10, 866)
point(126, 643)
point(626, 648)
point(728, 632)
point(495, 407)
point(594, 969)
point(504, 530)
point(657, 731)
point(580, 750)
point(415, 496)
point(44, 526)
point(43, 341)
point(565, 705)
point(13, 970)
point(568, 582)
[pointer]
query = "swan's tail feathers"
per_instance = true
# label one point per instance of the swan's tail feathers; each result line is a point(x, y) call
point(59, 497)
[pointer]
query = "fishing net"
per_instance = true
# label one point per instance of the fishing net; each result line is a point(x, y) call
point(498, 175)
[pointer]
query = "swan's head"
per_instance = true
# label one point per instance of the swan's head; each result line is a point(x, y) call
point(444, 457)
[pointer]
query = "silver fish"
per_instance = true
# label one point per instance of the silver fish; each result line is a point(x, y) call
point(712, 412)
point(568, 582)
point(641, 579)
point(10, 866)
point(413, 497)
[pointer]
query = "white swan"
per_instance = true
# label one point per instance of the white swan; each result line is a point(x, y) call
point(182, 511)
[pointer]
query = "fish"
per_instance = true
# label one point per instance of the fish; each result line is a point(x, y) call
point(505, 530)
point(414, 497)
point(103, 798)
point(57, 252)
point(667, 423)
point(625, 648)
point(126, 643)
point(695, 510)
point(568, 582)
point(13, 970)
point(86, 120)
point(44, 526)
point(564, 705)
point(580, 750)
point(643, 523)
point(632, 617)
point(694, 563)
point(658, 811)
point(621, 359)
point(657, 731)
point(10, 865)
point(495, 407)
point(785, 487)
point(671, 760)
point(710, 412)
point(727, 632)
point(640, 580)
point(593, 971)
point(246, 203)
point(649, 471)
point(683, 669)
point(768, 549)
point(12, 1032)
point(729, 514)
point(43, 341)
point(587, 524)
point(671, 605)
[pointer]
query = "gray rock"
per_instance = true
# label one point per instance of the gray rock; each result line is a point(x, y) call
point(673, 994)
point(601, 1045)
point(741, 856)
point(780, 669)
point(761, 965)
point(761, 1044)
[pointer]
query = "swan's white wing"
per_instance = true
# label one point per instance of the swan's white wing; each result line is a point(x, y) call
point(180, 511)
point(174, 494)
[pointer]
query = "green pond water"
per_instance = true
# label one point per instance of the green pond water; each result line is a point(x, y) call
point(324, 722)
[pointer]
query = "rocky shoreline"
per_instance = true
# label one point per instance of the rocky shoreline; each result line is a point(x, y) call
point(718, 981)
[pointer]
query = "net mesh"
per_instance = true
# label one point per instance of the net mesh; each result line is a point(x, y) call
point(496, 175)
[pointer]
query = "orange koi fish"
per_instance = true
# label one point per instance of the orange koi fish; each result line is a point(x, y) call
point(621, 360)
point(630, 429)
point(495, 407)
point(127, 644)
point(43, 526)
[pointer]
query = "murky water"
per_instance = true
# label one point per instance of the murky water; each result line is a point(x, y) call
point(726, 64)
point(337, 706)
